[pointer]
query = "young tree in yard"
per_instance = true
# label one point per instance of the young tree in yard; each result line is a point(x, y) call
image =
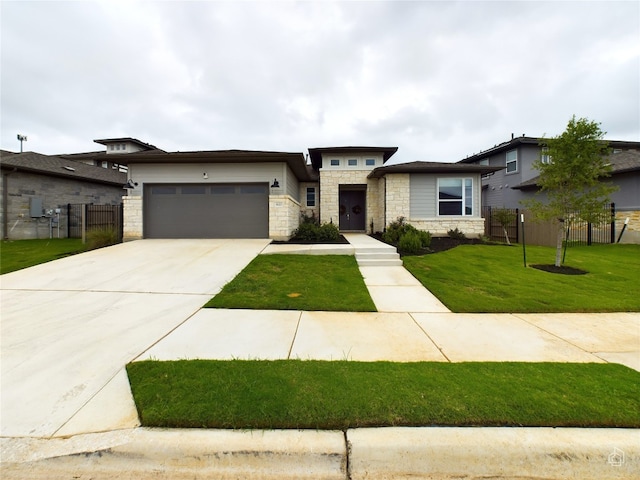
point(573, 178)
point(505, 218)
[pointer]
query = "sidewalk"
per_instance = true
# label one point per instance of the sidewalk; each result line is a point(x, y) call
point(103, 440)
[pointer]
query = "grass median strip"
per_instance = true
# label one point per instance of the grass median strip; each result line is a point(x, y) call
point(19, 254)
point(338, 395)
point(492, 278)
point(297, 282)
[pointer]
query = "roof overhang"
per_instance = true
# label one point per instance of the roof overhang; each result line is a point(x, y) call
point(316, 153)
point(432, 167)
point(295, 161)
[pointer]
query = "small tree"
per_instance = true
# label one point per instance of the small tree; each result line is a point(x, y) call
point(505, 218)
point(573, 178)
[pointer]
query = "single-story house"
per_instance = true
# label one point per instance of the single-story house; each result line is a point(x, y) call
point(36, 189)
point(259, 194)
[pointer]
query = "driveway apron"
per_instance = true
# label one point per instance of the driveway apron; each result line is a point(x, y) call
point(70, 326)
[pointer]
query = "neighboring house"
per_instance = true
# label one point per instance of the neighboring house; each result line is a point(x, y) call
point(517, 180)
point(36, 189)
point(255, 194)
point(107, 159)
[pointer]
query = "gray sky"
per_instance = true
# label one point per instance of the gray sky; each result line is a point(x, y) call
point(439, 80)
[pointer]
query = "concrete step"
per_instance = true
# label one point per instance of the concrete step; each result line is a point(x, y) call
point(386, 258)
point(380, 263)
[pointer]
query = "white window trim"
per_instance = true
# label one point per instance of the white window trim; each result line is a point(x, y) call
point(507, 162)
point(352, 165)
point(544, 155)
point(334, 160)
point(372, 160)
point(463, 214)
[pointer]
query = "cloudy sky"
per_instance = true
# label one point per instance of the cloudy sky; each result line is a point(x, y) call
point(439, 80)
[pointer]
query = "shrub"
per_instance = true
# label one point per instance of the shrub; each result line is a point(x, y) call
point(101, 237)
point(398, 230)
point(456, 234)
point(410, 242)
point(311, 231)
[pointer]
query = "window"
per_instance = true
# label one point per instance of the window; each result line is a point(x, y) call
point(105, 164)
point(544, 156)
point(111, 147)
point(455, 196)
point(512, 161)
point(370, 162)
point(311, 196)
point(484, 161)
point(117, 146)
point(352, 162)
point(335, 163)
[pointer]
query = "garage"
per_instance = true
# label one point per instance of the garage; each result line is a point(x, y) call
point(225, 210)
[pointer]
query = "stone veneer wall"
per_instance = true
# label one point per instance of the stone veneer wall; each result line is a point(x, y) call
point(398, 196)
point(330, 181)
point(132, 218)
point(632, 232)
point(284, 216)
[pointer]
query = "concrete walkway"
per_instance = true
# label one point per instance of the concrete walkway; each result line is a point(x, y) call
point(68, 329)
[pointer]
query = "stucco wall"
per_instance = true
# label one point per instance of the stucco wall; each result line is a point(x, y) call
point(55, 193)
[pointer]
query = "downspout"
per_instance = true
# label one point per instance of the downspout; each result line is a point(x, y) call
point(5, 203)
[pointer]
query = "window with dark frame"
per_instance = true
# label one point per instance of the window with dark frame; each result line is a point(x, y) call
point(311, 197)
point(512, 161)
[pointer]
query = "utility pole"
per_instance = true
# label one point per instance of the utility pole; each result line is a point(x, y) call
point(22, 138)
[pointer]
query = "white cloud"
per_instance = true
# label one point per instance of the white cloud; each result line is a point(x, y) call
point(440, 80)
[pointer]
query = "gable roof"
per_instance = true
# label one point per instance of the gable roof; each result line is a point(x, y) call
point(316, 153)
point(60, 167)
point(432, 167)
point(295, 161)
point(621, 162)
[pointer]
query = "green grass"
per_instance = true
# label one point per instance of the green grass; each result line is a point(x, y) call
point(492, 278)
point(19, 254)
point(298, 282)
point(339, 395)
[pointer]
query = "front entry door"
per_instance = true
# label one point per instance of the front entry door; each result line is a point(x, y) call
point(352, 209)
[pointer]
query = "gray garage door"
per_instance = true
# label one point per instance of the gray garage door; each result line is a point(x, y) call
point(206, 211)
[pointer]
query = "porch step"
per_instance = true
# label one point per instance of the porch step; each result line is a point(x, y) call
point(379, 259)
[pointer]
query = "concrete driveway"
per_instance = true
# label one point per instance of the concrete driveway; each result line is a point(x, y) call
point(70, 326)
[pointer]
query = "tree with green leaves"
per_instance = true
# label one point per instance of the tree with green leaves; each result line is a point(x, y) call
point(573, 178)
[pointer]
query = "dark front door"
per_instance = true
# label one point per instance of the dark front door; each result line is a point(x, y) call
point(352, 209)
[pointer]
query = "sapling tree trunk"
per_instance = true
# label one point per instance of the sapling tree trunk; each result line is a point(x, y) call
point(559, 240)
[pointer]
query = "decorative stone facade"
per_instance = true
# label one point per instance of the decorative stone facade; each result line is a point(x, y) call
point(330, 182)
point(398, 204)
point(284, 216)
point(132, 216)
point(632, 232)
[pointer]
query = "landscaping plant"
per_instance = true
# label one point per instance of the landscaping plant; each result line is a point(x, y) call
point(572, 176)
point(415, 240)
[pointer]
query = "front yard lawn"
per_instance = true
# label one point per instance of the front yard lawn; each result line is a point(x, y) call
point(19, 254)
point(298, 282)
point(492, 278)
point(338, 395)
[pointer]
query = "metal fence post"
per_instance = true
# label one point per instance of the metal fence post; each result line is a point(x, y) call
point(613, 222)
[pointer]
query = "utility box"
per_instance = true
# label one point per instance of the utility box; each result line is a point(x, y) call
point(35, 207)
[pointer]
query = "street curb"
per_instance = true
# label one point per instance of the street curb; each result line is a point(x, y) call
point(372, 453)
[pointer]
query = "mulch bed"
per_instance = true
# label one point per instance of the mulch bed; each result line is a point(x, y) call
point(563, 270)
point(340, 241)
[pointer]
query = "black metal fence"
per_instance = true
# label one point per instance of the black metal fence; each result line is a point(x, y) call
point(545, 233)
point(95, 216)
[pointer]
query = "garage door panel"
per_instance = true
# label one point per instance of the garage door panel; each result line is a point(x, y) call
point(206, 211)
